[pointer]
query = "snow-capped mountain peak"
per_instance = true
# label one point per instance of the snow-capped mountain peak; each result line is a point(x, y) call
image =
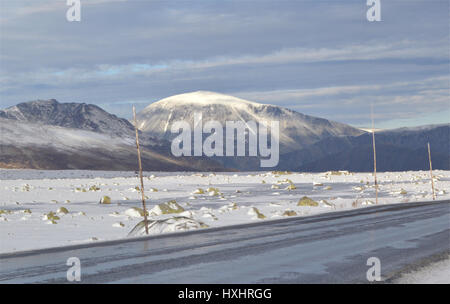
point(296, 129)
point(70, 115)
point(203, 98)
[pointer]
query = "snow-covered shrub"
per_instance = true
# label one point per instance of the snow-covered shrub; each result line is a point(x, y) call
point(173, 224)
point(135, 212)
point(167, 208)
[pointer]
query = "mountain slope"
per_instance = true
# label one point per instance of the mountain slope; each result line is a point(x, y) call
point(38, 146)
point(70, 115)
point(81, 116)
point(296, 130)
point(397, 150)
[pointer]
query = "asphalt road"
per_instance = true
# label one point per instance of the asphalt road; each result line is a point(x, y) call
point(326, 248)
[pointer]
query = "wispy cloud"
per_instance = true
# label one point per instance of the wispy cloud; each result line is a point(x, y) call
point(393, 101)
point(400, 50)
point(23, 8)
point(370, 51)
point(425, 86)
point(321, 58)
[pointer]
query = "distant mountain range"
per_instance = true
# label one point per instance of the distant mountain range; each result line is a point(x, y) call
point(46, 134)
point(397, 150)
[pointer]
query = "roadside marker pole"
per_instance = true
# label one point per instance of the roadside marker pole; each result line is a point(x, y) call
point(140, 170)
point(374, 157)
point(431, 172)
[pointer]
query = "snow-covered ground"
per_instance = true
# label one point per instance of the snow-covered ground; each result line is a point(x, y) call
point(40, 209)
point(436, 273)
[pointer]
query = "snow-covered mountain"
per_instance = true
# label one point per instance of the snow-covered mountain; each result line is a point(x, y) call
point(34, 145)
point(46, 134)
point(70, 115)
point(73, 115)
point(296, 130)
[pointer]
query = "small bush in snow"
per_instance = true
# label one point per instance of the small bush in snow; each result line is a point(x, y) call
point(290, 213)
point(62, 210)
point(105, 200)
point(306, 201)
point(254, 211)
point(167, 208)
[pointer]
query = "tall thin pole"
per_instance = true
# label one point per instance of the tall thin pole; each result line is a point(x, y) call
point(374, 157)
point(140, 170)
point(431, 171)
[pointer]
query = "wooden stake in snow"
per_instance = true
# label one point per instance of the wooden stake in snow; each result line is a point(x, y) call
point(140, 170)
point(431, 171)
point(374, 157)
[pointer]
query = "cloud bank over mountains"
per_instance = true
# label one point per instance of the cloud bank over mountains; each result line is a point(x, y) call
point(321, 58)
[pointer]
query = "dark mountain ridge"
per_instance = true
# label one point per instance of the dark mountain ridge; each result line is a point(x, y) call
point(397, 150)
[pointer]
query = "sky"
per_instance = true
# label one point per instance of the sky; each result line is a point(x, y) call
point(321, 58)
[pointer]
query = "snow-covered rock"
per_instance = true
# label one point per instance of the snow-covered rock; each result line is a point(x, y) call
point(306, 201)
point(134, 212)
point(173, 224)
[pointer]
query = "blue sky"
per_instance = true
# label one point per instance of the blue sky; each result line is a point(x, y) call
point(321, 58)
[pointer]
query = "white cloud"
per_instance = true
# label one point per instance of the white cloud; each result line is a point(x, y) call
point(21, 8)
point(428, 86)
point(370, 51)
point(393, 101)
point(399, 50)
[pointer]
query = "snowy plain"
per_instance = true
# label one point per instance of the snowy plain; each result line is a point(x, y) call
point(41, 209)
